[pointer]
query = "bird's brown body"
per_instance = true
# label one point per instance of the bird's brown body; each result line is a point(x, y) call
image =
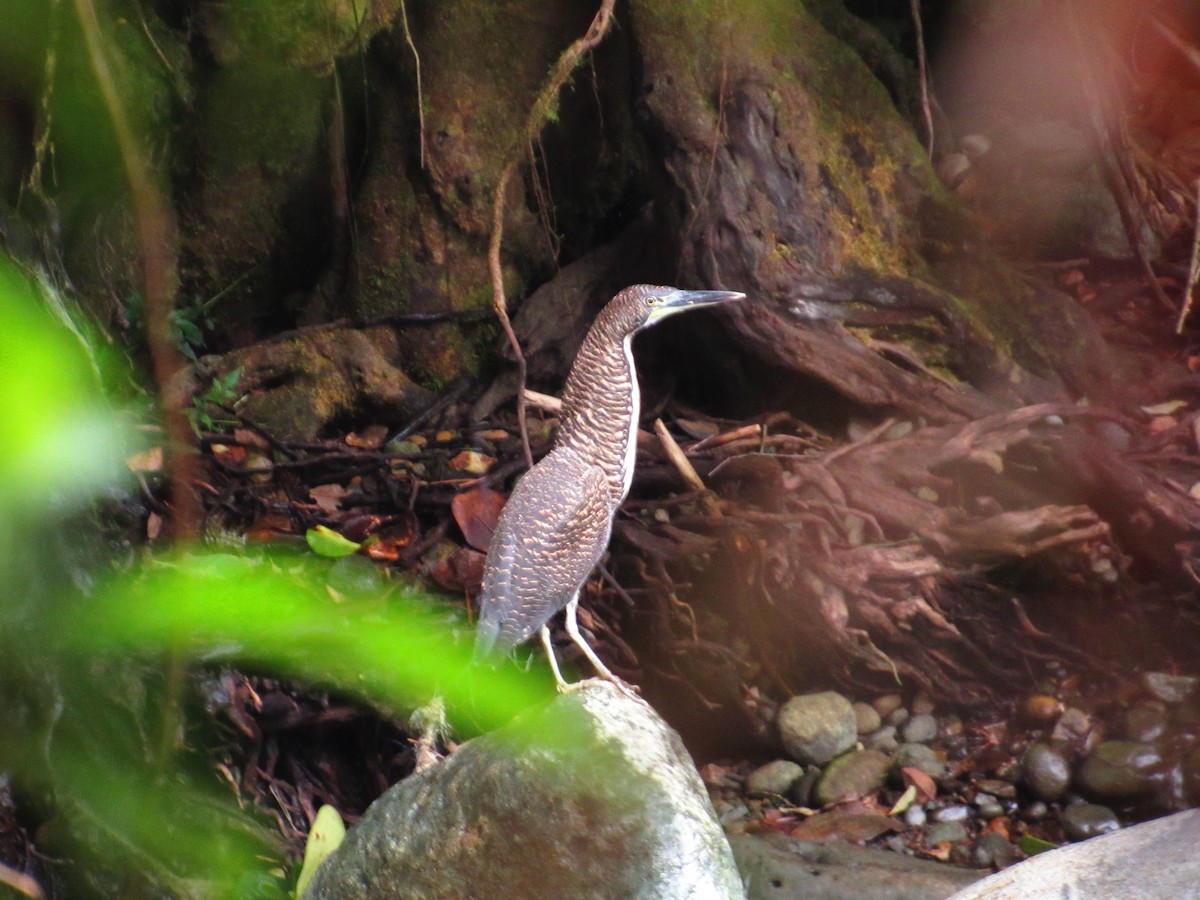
point(558, 521)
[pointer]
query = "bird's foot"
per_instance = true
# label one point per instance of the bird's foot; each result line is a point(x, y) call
point(629, 690)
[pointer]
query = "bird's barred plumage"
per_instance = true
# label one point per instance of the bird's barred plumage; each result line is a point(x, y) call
point(557, 523)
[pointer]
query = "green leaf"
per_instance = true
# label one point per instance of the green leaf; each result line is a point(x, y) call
point(326, 835)
point(1034, 845)
point(327, 542)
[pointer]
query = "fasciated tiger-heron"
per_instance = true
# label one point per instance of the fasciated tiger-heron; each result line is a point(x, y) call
point(557, 522)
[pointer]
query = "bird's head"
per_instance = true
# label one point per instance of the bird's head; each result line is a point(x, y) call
point(643, 305)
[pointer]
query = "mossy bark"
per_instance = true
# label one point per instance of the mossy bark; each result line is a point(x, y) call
point(788, 173)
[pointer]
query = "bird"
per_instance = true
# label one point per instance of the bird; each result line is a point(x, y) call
point(558, 519)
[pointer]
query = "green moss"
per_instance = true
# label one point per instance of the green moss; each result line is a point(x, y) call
point(301, 34)
point(264, 114)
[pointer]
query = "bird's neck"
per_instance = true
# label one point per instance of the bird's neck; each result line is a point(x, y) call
point(600, 406)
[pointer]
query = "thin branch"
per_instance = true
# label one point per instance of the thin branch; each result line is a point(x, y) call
point(155, 228)
point(1193, 269)
point(500, 303)
point(923, 70)
point(686, 470)
point(541, 111)
point(420, 94)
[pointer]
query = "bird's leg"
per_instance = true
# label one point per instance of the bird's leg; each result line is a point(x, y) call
point(559, 681)
point(573, 631)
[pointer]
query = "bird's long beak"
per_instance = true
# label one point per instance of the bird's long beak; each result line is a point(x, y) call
point(678, 301)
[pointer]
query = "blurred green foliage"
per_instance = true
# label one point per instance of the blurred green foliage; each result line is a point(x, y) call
point(91, 631)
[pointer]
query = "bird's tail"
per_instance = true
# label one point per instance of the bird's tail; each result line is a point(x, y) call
point(487, 633)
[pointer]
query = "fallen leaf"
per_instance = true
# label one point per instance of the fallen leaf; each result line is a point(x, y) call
point(370, 438)
point(1159, 424)
point(231, 455)
point(477, 511)
point(492, 434)
point(905, 801)
point(462, 570)
point(940, 851)
point(356, 528)
point(472, 462)
point(248, 437)
point(698, 429)
point(1164, 409)
point(998, 825)
point(1034, 845)
point(837, 826)
point(325, 836)
point(328, 496)
point(925, 785)
point(327, 542)
point(145, 462)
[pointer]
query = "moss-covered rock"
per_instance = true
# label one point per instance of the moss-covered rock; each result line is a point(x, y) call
point(302, 34)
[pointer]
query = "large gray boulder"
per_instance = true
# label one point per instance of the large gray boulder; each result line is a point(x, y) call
point(592, 796)
point(1150, 861)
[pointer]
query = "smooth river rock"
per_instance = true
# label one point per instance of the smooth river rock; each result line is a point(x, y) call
point(593, 795)
point(815, 728)
point(1151, 861)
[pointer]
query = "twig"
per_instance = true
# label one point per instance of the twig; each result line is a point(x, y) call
point(685, 468)
point(923, 70)
point(541, 401)
point(447, 397)
point(420, 96)
point(725, 437)
point(543, 105)
point(1193, 269)
point(500, 303)
point(869, 438)
point(155, 228)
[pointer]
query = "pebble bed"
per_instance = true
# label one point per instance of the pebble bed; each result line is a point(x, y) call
point(1064, 764)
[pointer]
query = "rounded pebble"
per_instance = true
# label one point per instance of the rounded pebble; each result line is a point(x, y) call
point(920, 757)
point(1086, 820)
point(1146, 720)
point(946, 832)
point(1040, 709)
point(920, 729)
point(989, 811)
point(1037, 810)
point(815, 728)
point(855, 774)
point(922, 704)
point(1169, 688)
point(897, 717)
point(1045, 772)
point(887, 704)
point(866, 718)
point(956, 813)
point(884, 739)
point(776, 777)
point(992, 849)
point(915, 816)
point(1118, 769)
point(1074, 724)
point(802, 790)
point(1005, 790)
